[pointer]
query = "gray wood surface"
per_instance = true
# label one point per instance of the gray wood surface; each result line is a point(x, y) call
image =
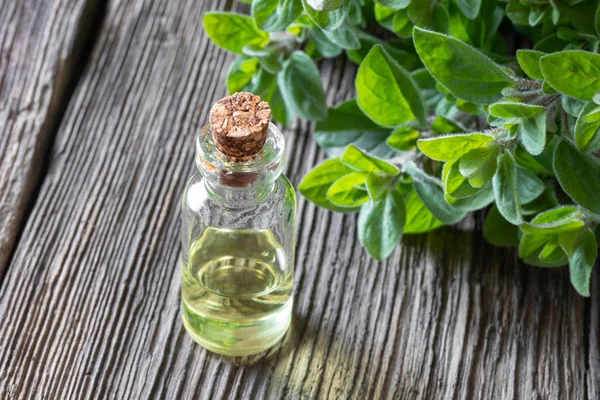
point(90, 301)
point(41, 42)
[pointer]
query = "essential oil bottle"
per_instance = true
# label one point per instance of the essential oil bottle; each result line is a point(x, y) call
point(238, 232)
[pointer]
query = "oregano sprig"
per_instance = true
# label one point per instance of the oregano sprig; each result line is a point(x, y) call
point(446, 120)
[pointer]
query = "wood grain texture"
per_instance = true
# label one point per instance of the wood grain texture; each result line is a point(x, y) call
point(40, 45)
point(90, 303)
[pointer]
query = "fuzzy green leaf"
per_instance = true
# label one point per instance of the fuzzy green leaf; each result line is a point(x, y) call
point(347, 124)
point(531, 120)
point(386, 92)
point(505, 189)
point(326, 19)
point(579, 175)
point(456, 185)
point(233, 31)
point(469, 8)
point(381, 223)
point(349, 190)
point(240, 73)
point(574, 73)
point(560, 219)
point(418, 217)
point(344, 36)
point(431, 192)
point(361, 161)
point(323, 45)
point(587, 128)
point(442, 125)
point(582, 262)
point(275, 15)
point(324, 5)
point(317, 182)
point(467, 73)
point(301, 87)
point(529, 60)
point(403, 138)
point(378, 184)
point(394, 4)
point(452, 147)
point(479, 165)
point(529, 186)
point(498, 231)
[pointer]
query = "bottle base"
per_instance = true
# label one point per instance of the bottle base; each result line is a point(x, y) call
point(237, 339)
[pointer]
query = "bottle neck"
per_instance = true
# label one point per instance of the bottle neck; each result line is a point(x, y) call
point(243, 182)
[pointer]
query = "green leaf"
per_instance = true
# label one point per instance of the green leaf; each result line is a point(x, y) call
point(240, 73)
point(271, 63)
point(456, 186)
point(582, 262)
point(468, 107)
point(578, 174)
point(349, 190)
point(385, 16)
point(479, 165)
point(559, 219)
point(275, 15)
point(300, 84)
point(317, 182)
point(470, 8)
point(394, 4)
point(386, 92)
point(233, 31)
point(574, 73)
point(325, 5)
point(431, 193)
point(418, 217)
point(483, 198)
point(346, 124)
point(403, 138)
point(542, 250)
point(361, 161)
point(572, 105)
point(380, 224)
point(377, 184)
point(532, 123)
point(467, 73)
point(400, 24)
point(325, 19)
point(550, 43)
point(452, 147)
point(531, 244)
point(344, 36)
point(527, 161)
point(517, 12)
point(264, 85)
point(323, 45)
point(529, 186)
point(551, 252)
point(505, 189)
point(587, 128)
point(529, 60)
point(498, 231)
point(444, 125)
point(597, 20)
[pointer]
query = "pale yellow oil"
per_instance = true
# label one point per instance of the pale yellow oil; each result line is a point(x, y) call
point(236, 295)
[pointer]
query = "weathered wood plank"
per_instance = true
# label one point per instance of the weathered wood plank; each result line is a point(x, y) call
point(90, 304)
point(41, 43)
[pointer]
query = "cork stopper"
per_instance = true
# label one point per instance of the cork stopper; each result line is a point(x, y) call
point(240, 124)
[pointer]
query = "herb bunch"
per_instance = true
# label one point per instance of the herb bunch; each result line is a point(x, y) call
point(445, 121)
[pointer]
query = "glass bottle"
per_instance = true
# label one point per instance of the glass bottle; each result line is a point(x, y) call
point(238, 242)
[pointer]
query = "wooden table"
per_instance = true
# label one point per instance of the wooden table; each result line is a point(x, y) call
point(98, 108)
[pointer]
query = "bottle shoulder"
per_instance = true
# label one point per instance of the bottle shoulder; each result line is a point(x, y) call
point(214, 210)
